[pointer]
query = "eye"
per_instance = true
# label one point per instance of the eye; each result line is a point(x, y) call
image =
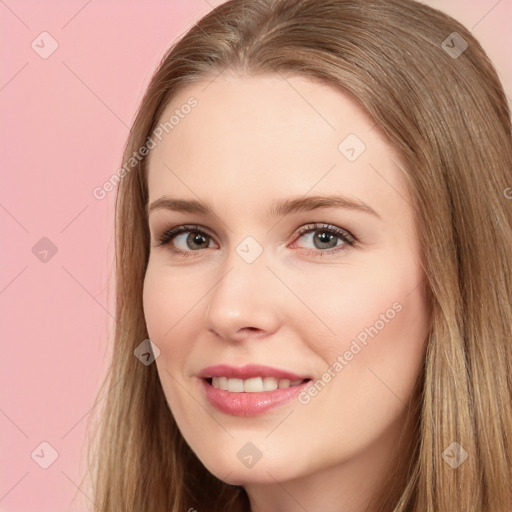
point(318, 239)
point(324, 238)
point(186, 239)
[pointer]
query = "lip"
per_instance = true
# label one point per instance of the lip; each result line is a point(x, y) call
point(249, 404)
point(248, 371)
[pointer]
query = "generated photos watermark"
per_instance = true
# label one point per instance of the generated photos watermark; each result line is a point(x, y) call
point(356, 346)
point(152, 141)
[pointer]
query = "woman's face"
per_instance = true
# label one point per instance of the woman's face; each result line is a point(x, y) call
point(300, 255)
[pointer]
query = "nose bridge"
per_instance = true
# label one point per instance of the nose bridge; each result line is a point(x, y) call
point(243, 297)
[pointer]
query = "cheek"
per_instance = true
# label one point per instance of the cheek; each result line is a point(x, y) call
point(372, 363)
point(378, 320)
point(379, 297)
point(171, 312)
point(390, 310)
point(172, 305)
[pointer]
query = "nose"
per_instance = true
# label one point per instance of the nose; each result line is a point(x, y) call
point(246, 303)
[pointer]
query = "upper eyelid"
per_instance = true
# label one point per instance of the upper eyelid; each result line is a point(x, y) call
point(314, 226)
point(318, 226)
point(180, 229)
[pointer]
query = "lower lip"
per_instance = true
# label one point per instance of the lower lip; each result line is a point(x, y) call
point(250, 404)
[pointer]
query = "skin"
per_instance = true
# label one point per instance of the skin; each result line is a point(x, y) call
point(249, 142)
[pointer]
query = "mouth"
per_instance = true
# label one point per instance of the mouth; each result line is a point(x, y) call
point(253, 385)
point(250, 372)
point(250, 390)
point(253, 395)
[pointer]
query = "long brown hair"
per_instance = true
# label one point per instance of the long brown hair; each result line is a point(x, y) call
point(431, 89)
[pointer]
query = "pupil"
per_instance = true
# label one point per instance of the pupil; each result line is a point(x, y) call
point(196, 239)
point(324, 239)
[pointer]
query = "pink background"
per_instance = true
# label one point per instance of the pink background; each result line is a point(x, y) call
point(64, 122)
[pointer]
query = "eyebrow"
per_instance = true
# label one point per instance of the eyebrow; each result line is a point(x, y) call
point(279, 208)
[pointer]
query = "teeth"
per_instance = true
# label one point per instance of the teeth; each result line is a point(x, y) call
point(235, 385)
point(270, 384)
point(222, 382)
point(253, 385)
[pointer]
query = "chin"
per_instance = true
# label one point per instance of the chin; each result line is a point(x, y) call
point(262, 472)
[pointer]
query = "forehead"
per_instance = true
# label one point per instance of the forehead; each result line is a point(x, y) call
point(272, 135)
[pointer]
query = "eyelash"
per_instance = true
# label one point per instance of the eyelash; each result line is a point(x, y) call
point(345, 236)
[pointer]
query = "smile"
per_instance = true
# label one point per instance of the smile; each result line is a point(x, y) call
point(250, 390)
point(253, 385)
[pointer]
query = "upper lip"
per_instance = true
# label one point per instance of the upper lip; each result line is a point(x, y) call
point(247, 372)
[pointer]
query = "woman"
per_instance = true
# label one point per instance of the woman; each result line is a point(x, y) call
point(314, 231)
